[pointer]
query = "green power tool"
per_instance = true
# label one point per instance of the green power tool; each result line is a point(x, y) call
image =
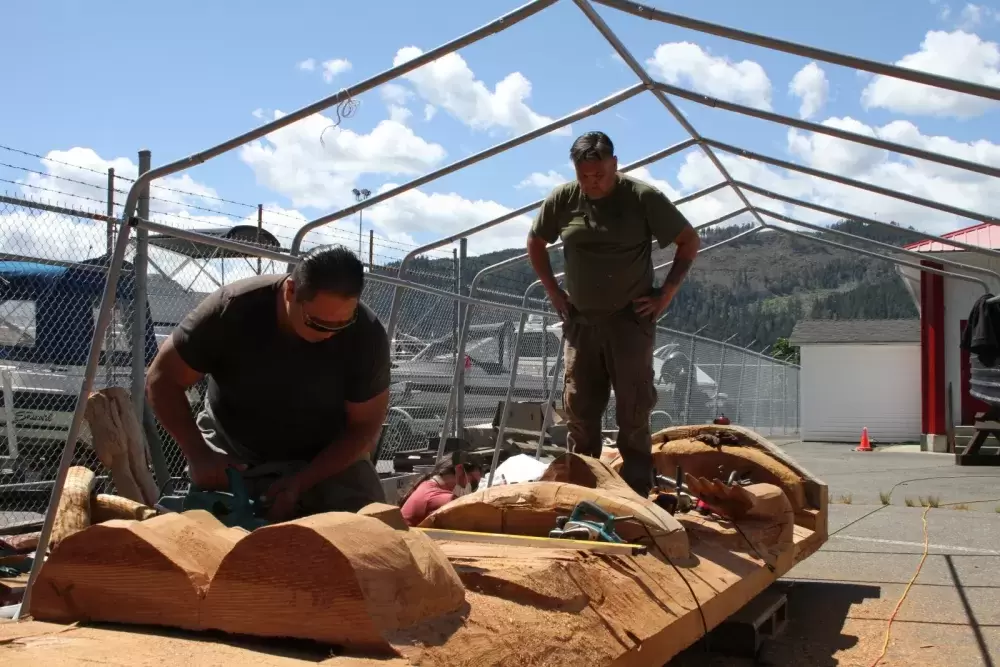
point(577, 527)
point(234, 508)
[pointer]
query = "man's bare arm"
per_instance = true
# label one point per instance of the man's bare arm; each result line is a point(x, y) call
point(688, 243)
point(538, 256)
point(166, 385)
point(364, 426)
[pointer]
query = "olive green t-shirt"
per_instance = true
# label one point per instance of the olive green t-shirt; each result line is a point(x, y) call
point(608, 242)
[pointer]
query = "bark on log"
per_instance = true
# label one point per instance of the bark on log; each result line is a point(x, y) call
point(106, 507)
point(152, 572)
point(338, 578)
point(532, 508)
point(73, 511)
point(119, 443)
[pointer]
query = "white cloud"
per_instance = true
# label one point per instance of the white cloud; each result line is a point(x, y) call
point(811, 86)
point(972, 16)
point(335, 67)
point(307, 65)
point(429, 112)
point(399, 114)
point(959, 55)
point(543, 181)
point(687, 64)
point(293, 162)
point(393, 93)
point(449, 83)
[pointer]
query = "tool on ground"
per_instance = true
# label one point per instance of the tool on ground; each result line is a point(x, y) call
point(234, 508)
point(577, 527)
point(672, 495)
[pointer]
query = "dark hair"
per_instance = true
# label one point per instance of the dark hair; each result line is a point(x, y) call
point(590, 147)
point(333, 269)
point(445, 466)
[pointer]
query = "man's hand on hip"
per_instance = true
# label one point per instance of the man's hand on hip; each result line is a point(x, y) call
point(560, 301)
point(653, 306)
point(208, 469)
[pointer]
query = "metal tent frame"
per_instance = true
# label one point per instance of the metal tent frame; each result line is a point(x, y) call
point(663, 94)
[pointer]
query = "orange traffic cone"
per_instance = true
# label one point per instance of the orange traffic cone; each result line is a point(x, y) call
point(866, 445)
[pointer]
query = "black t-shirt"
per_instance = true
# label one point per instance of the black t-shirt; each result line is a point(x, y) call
point(270, 391)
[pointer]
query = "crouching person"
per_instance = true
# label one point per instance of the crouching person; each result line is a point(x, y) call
point(448, 480)
point(297, 371)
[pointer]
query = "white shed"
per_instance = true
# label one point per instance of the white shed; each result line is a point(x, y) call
point(858, 373)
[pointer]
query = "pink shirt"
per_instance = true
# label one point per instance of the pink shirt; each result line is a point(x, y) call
point(424, 500)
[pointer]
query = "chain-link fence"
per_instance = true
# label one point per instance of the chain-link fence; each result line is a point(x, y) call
point(52, 275)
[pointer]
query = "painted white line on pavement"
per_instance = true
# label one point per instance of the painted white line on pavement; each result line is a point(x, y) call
point(919, 545)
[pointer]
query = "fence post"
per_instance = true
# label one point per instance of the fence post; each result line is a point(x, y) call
point(756, 399)
point(739, 391)
point(108, 336)
point(260, 234)
point(770, 400)
point(139, 296)
point(692, 381)
point(463, 312)
point(371, 249)
point(784, 400)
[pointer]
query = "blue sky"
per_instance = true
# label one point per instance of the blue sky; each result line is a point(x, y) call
point(177, 77)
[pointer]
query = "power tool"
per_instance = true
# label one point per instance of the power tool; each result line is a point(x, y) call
point(233, 508)
point(577, 527)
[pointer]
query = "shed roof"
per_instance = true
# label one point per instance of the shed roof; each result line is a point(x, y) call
point(981, 236)
point(855, 331)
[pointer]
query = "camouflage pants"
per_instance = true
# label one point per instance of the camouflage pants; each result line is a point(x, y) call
point(613, 352)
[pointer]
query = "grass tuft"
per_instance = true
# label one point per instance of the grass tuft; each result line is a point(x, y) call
point(962, 507)
point(846, 499)
point(885, 497)
point(910, 502)
point(930, 501)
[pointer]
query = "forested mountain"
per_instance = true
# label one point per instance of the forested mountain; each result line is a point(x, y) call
point(756, 287)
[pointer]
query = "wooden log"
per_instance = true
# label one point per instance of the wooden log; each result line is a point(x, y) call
point(390, 515)
point(107, 507)
point(337, 578)
point(532, 508)
point(73, 511)
point(19, 544)
point(152, 572)
point(119, 443)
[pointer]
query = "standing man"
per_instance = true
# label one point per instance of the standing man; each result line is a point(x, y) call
point(607, 222)
point(298, 378)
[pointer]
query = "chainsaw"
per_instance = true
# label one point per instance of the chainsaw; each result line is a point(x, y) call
point(233, 508)
point(577, 527)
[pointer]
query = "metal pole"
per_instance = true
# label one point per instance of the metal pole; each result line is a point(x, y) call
point(852, 62)
point(722, 371)
point(654, 88)
point(547, 415)
point(463, 254)
point(692, 381)
point(502, 426)
point(770, 400)
point(111, 211)
point(109, 335)
point(404, 265)
point(140, 267)
point(972, 215)
point(585, 112)
point(371, 249)
point(456, 324)
point(784, 400)
point(260, 234)
point(756, 403)
point(870, 253)
point(739, 390)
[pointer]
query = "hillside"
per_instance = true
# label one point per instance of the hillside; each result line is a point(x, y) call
point(756, 288)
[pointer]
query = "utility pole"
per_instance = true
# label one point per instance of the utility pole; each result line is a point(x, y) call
point(360, 196)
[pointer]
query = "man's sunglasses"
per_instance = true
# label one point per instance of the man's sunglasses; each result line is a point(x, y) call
point(328, 327)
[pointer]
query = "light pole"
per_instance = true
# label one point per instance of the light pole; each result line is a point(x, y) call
point(361, 195)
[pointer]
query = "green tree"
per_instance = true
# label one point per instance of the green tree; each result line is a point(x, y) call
point(784, 351)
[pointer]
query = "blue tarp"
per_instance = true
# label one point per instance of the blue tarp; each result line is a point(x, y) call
point(66, 299)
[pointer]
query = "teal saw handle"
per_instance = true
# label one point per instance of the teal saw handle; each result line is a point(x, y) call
point(587, 508)
point(238, 488)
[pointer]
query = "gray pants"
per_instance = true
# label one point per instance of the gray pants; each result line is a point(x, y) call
point(347, 491)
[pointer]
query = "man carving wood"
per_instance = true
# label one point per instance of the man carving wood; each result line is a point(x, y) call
point(610, 307)
point(298, 377)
